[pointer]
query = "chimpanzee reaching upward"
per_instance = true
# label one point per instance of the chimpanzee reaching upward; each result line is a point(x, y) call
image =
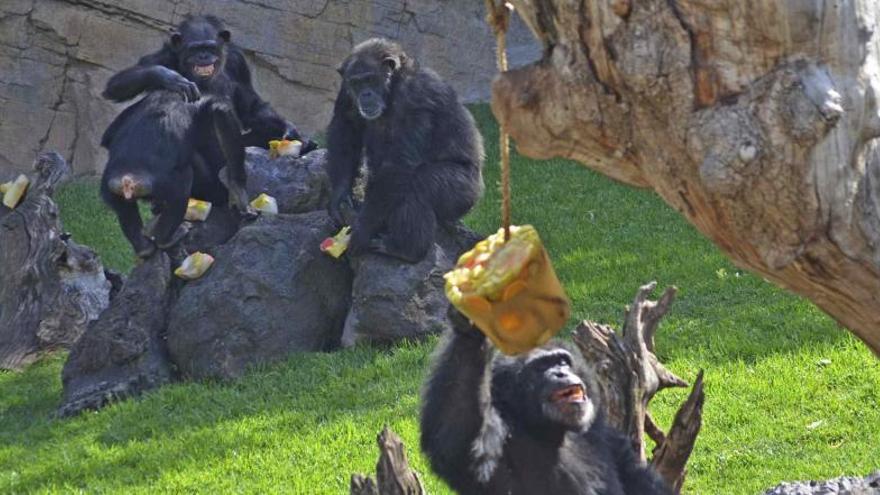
point(199, 58)
point(165, 150)
point(423, 151)
point(522, 425)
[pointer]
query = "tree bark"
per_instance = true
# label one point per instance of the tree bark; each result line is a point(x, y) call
point(393, 474)
point(758, 121)
point(50, 287)
point(629, 374)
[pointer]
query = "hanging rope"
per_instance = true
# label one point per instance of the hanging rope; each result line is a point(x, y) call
point(498, 16)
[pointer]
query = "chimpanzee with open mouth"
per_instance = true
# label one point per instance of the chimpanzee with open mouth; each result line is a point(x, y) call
point(527, 424)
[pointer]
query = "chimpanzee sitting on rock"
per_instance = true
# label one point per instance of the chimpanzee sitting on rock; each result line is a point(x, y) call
point(172, 144)
point(423, 152)
point(522, 425)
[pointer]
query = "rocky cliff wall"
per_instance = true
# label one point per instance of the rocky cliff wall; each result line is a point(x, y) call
point(55, 57)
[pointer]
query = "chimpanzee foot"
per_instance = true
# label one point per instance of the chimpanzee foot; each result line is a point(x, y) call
point(178, 235)
point(146, 249)
point(249, 213)
point(380, 246)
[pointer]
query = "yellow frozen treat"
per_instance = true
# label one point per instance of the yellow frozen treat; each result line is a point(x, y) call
point(336, 245)
point(4, 187)
point(284, 147)
point(14, 191)
point(194, 266)
point(266, 204)
point(197, 210)
point(510, 290)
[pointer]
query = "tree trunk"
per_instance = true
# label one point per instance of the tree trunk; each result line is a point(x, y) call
point(50, 287)
point(756, 120)
point(393, 474)
point(628, 375)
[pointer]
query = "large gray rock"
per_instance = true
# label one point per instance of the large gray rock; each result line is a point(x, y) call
point(270, 292)
point(392, 300)
point(299, 184)
point(122, 354)
point(56, 56)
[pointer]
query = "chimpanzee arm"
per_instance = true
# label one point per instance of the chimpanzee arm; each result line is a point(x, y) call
point(454, 399)
point(257, 116)
point(154, 71)
point(344, 152)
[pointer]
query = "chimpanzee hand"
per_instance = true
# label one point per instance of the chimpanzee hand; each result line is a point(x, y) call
point(341, 208)
point(173, 81)
point(308, 145)
point(360, 240)
point(462, 326)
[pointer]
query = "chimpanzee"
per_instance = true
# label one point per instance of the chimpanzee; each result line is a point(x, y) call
point(199, 58)
point(522, 425)
point(172, 144)
point(424, 154)
point(165, 150)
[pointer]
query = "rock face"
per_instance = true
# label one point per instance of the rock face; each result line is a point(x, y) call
point(299, 185)
point(270, 292)
point(55, 60)
point(50, 287)
point(123, 353)
point(869, 485)
point(392, 300)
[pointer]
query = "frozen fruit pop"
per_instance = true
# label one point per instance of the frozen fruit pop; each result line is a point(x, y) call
point(336, 245)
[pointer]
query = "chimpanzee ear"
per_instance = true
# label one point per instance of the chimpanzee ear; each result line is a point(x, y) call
point(176, 40)
point(391, 63)
point(341, 67)
point(224, 35)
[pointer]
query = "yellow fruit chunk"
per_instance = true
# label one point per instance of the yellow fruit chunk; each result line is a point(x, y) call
point(197, 210)
point(266, 204)
point(14, 191)
point(336, 245)
point(194, 266)
point(284, 147)
point(509, 290)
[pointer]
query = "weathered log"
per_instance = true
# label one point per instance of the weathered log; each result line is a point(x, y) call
point(628, 375)
point(50, 287)
point(758, 121)
point(393, 474)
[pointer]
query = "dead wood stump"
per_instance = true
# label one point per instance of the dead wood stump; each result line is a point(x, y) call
point(393, 474)
point(50, 287)
point(628, 375)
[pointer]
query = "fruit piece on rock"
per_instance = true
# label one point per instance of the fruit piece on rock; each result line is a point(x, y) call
point(265, 204)
point(336, 245)
point(194, 266)
point(14, 191)
point(197, 210)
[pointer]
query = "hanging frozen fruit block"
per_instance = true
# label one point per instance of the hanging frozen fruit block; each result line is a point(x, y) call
point(510, 290)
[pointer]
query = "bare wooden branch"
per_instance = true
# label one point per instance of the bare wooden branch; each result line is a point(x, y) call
point(393, 474)
point(671, 455)
point(628, 375)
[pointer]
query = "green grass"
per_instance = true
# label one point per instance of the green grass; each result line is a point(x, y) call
point(772, 411)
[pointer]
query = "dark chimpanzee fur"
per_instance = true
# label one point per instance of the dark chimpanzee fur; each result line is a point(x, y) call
point(171, 145)
point(522, 425)
point(166, 150)
point(423, 152)
point(199, 58)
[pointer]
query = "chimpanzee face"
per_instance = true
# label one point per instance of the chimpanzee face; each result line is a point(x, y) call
point(201, 52)
point(547, 391)
point(368, 83)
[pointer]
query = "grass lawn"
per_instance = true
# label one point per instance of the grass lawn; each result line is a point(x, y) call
point(773, 412)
